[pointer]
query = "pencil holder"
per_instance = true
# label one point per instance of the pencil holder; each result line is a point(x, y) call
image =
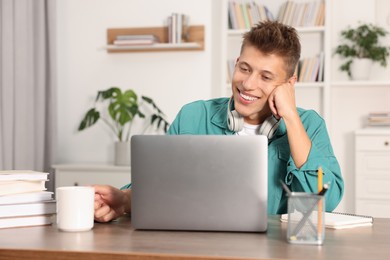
point(306, 218)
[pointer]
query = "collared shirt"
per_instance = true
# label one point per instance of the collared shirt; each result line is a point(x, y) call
point(210, 118)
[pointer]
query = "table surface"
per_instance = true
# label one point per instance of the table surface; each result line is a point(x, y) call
point(118, 240)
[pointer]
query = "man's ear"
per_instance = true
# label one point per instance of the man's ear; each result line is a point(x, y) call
point(292, 80)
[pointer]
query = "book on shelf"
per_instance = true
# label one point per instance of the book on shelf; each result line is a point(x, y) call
point(27, 209)
point(379, 119)
point(26, 197)
point(245, 14)
point(301, 14)
point(134, 42)
point(336, 220)
point(27, 175)
point(380, 114)
point(177, 28)
point(150, 37)
point(311, 69)
point(26, 221)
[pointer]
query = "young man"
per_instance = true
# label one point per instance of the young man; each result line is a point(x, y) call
point(263, 88)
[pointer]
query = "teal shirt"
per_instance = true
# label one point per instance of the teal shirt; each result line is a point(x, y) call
point(210, 118)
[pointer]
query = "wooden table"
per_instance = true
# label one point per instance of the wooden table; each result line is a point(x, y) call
point(118, 240)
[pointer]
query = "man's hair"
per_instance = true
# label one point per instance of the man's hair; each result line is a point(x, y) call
point(275, 38)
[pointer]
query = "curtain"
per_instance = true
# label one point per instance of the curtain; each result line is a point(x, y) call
point(27, 84)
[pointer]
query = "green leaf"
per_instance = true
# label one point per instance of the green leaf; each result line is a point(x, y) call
point(90, 118)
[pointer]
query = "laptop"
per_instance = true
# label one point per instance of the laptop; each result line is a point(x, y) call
point(199, 182)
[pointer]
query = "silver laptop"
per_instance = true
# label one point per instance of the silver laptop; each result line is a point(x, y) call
point(199, 182)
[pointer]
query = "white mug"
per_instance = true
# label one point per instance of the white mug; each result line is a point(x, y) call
point(75, 208)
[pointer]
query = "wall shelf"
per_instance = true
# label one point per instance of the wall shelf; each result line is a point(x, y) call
point(195, 39)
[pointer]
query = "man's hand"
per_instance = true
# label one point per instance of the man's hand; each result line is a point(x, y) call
point(282, 100)
point(110, 202)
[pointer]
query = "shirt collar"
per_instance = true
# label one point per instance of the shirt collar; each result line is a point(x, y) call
point(219, 118)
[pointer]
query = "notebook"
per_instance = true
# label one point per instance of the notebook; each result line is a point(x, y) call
point(336, 220)
point(199, 182)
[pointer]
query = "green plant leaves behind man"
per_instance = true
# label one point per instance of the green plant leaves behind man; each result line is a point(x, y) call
point(122, 108)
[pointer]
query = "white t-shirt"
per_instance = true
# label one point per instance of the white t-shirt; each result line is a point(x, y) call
point(249, 129)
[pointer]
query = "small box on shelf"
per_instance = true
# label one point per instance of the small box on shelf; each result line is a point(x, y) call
point(195, 39)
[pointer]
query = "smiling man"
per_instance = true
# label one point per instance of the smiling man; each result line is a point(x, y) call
point(263, 94)
point(263, 102)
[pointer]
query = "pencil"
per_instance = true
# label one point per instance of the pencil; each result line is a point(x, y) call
point(320, 203)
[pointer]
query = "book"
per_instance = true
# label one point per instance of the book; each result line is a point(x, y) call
point(337, 220)
point(151, 37)
point(26, 221)
point(15, 175)
point(26, 197)
point(134, 42)
point(14, 187)
point(27, 209)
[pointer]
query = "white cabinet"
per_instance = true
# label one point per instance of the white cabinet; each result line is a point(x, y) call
point(314, 40)
point(372, 167)
point(90, 174)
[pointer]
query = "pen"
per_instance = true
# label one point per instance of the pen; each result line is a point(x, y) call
point(286, 189)
point(320, 203)
point(324, 189)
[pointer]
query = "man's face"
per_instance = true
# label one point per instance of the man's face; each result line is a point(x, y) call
point(255, 77)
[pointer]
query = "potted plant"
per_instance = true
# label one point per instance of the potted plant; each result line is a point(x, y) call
point(361, 45)
point(117, 110)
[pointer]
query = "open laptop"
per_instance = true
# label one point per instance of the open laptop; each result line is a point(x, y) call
point(199, 182)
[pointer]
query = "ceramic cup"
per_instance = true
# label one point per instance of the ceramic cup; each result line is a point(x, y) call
point(75, 208)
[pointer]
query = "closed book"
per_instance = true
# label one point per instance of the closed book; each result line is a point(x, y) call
point(137, 37)
point(18, 175)
point(239, 16)
point(26, 221)
point(26, 197)
point(27, 209)
point(14, 187)
point(336, 220)
point(134, 42)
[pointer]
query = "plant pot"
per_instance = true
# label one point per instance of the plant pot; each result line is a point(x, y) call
point(122, 153)
point(360, 69)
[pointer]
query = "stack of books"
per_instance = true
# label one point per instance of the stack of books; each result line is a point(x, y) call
point(24, 200)
point(136, 40)
point(379, 119)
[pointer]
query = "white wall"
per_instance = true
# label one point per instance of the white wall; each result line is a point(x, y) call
point(350, 106)
point(170, 78)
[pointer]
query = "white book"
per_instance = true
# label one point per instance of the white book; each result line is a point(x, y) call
point(22, 175)
point(15, 187)
point(27, 209)
point(134, 42)
point(137, 37)
point(26, 197)
point(336, 220)
point(27, 221)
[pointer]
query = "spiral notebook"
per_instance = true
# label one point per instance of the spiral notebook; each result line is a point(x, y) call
point(337, 220)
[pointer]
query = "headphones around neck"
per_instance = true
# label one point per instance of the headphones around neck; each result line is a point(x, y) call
point(236, 122)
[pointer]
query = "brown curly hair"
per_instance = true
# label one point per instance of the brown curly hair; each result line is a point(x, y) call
point(272, 37)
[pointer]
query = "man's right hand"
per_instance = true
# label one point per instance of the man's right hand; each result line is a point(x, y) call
point(111, 203)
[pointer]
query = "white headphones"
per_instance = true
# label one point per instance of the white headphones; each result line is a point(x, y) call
point(236, 123)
